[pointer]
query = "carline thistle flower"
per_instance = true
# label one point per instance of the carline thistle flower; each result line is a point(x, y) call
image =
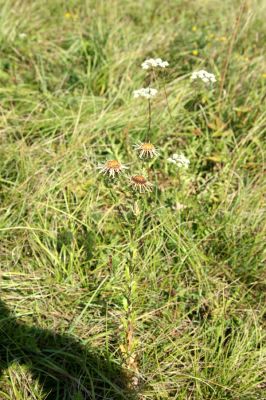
point(204, 76)
point(154, 63)
point(139, 182)
point(146, 150)
point(179, 160)
point(111, 167)
point(148, 93)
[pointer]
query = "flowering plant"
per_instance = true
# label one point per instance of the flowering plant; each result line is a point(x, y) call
point(139, 182)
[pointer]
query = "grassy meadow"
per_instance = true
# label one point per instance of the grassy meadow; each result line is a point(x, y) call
point(110, 294)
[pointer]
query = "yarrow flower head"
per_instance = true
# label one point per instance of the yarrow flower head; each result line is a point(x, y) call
point(146, 150)
point(148, 93)
point(154, 63)
point(179, 160)
point(139, 182)
point(111, 167)
point(204, 76)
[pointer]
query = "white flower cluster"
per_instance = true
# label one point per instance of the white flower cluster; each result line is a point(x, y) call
point(148, 93)
point(154, 63)
point(179, 160)
point(205, 76)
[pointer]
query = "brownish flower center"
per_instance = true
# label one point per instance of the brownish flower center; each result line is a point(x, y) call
point(147, 147)
point(113, 164)
point(139, 180)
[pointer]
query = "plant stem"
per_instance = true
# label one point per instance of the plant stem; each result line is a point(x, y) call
point(230, 49)
point(149, 125)
point(149, 120)
point(167, 102)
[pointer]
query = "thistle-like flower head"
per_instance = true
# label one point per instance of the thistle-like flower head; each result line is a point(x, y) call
point(111, 167)
point(146, 150)
point(140, 183)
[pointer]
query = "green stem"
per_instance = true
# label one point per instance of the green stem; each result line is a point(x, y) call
point(167, 102)
point(149, 118)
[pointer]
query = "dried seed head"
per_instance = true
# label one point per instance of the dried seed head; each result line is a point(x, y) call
point(146, 149)
point(147, 146)
point(140, 183)
point(111, 167)
point(139, 179)
point(113, 164)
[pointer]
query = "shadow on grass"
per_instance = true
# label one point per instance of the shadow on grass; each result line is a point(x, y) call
point(64, 368)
